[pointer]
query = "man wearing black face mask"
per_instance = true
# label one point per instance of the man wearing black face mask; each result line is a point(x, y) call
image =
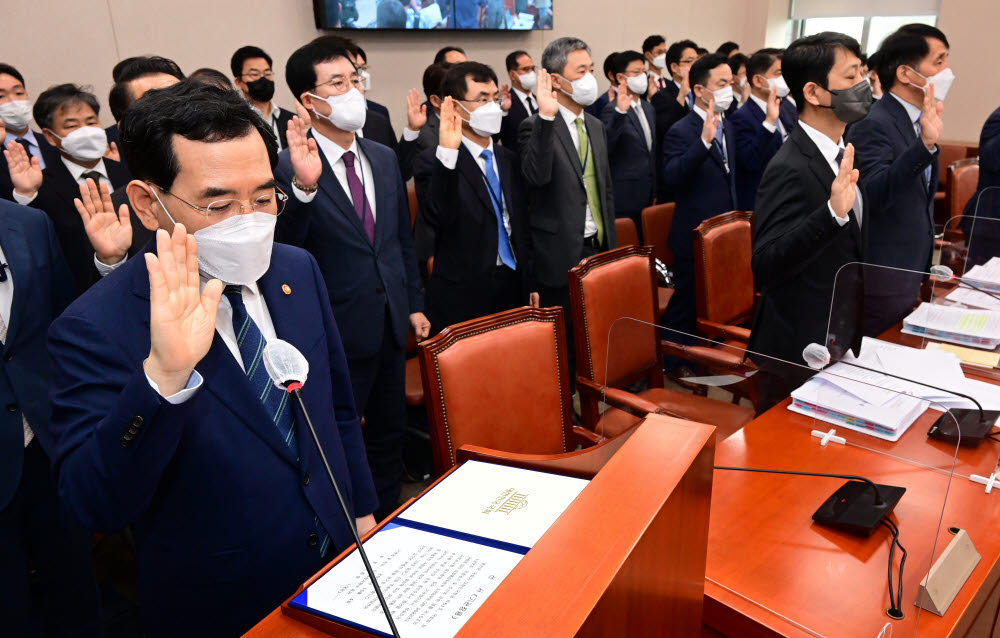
point(811, 216)
point(252, 75)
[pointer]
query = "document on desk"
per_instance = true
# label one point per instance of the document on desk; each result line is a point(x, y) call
point(964, 326)
point(973, 298)
point(985, 276)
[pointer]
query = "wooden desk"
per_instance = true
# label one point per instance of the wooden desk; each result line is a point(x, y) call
point(896, 335)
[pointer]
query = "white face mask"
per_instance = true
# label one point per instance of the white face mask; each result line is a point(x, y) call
point(86, 143)
point(347, 111)
point(528, 80)
point(485, 120)
point(16, 115)
point(366, 80)
point(779, 85)
point(942, 83)
point(638, 84)
point(236, 250)
point(723, 99)
point(584, 90)
point(660, 61)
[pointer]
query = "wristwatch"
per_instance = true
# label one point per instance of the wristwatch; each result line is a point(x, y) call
point(308, 191)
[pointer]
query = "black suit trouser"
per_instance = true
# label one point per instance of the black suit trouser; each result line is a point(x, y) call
point(500, 291)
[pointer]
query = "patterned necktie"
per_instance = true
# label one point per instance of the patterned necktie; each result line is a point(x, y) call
point(719, 143)
point(503, 241)
point(251, 342)
point(361, 206)
point(28, 434)
point(589, 177)
point(26, 144)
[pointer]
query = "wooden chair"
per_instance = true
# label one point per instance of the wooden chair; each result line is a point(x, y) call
point(627, 233)
point(656, 222)
point(501, 382)
point(948, 154)
point(963, 177)
point(613, 299)
point(723, 278)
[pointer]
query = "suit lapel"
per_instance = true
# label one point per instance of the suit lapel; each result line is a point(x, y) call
point(562, 134)
point(15, 250)
point(380, 202)
point(595, 138)
point(330, 185)
point(468, 168)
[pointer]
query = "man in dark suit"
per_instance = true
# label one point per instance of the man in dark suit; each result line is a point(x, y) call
point(611, 93)
point(982, 239)
point(699, 167)
point(15, 121)
point(254, 78)
point(361, 59)
point(654, 51)
point(523, 77)
point(34, 525)
point(630, 123)
point(564, 161)
point(422, 120)
point(898, 158)
point(348, 207)
point(133, 77)
point(762, 124)
point(474, 198)
point(163, 416)
point(68, 118)
point(674, 101)
point(811, 220)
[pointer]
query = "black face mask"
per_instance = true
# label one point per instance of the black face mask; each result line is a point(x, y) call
point(851, 105)
point(261, 90)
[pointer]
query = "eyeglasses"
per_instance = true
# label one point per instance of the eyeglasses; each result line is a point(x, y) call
point(272, 204)
point(341, 84)
point(484, 100)
point(254, 74)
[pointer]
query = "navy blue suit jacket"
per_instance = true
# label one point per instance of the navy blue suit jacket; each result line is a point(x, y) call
point(361, 278)
point(378, 108)
point(756, 146)
point(602, 100)
point(698, 179)
point(633, 164)
point(221, 509)
point(43, 289)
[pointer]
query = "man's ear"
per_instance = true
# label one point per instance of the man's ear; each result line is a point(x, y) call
point(435, 101)
point(50, 137)
point(906, 76)
point(762, 85)
point(144, 203)
point(810, 92)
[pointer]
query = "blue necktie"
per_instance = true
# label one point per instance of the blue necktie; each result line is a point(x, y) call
point(251, 344)
point(927, 171)
point(719, 139)
point(503, 241)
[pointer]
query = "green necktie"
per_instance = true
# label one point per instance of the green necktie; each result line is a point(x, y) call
point(589, 178)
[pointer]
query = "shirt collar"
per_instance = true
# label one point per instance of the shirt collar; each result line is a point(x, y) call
point(29, 136)
point(521, 94)
point(569, 116)
point(827, 147)
point(759, 102)
point(476, 149)
point(700, 111)
point(77, 171)
point(331, 149)
point(912, 111)
point(274, 111)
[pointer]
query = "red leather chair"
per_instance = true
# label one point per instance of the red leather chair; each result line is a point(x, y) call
point(656, 222)
point(948, 154)
point(411, 197)
point(414, 380)
point(501, 382)
point(724, 294)
point(627, 233)
point(613, 299)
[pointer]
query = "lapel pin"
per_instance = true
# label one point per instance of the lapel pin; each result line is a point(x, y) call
point(285, 288)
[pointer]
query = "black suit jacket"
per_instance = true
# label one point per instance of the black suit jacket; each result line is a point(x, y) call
point(427, 137)
point(633, 164)
point(668, 113)
point(557, 196)
point(284, 117)
point(512, 122)
point(798, 251)
point(378, 129)
point(755, 146)
point(6, 186)
point(378, 108)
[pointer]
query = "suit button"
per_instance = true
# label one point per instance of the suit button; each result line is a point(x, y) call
point(124, 443)
point(12, 407)
point(7, 356)
point(313, 540)
point(305, 479)
point(136, 421)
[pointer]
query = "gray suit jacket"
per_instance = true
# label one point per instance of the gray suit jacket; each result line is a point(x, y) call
point(557, 197)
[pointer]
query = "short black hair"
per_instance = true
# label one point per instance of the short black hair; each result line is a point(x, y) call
point(390, 14)
point(811, 58)
point(701, 51)
point(701, 70)
point(11, 71)
point(609, 65)
point(339, 41)
point(761, 61)
point(193, 110)
point(907, 46)
point(300, 70)
point(120, 97)
point(443, 51)
point(433, 78)
point(676, 50)
point(736, 61)
point(864, 59)
point(625, 58)
point(727, 47)
point(361, 52)
point(212, 76)
point(511, 60)
point(873, 61)
point(652, 42)
point(58, 97)
point(456, 81)
point(242, 55)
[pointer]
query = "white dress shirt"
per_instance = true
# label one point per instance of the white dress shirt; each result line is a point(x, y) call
point(525, 98)
point(636, 105)
point(829, 150)
point(722, 118)
point(334, 154)
point(272, 120)
point(77, 172)
point(6, 300)
point(657, 78)
point(589, 227)
point(449, 159)
point(770, 128)
point(28, 137)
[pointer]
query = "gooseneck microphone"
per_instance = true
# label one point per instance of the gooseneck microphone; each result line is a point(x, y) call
point(946, 273)
point(288, 368)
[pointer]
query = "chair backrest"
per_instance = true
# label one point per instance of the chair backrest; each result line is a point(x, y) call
point(500, 382)
point(723, 278)
point(411, 196)
point(963, 177)
point(656, 221)
point(603, 290)
point(948, 154)
point(627, 233)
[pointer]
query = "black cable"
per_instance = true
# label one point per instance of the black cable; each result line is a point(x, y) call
point(892, 552)
point(896, 603)
point(850, 477)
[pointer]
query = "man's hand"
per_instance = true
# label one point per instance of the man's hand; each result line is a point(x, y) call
point(421, 326)
point(773, 107)
point(365, 524)
point(624, 100)
point(708, 130)
point(842, 192)
point(533, 299)
point(304, 153)
point(416, 113)
point(652, 87)
point(450, 131)
point(112, 153)
point(109, 234)
point(745, 92)
point(181, 319)
point(25, 174)
point(931, 122)
point(505, 98)
point(548, 103)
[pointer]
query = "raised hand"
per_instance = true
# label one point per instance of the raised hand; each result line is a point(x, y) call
point(416, 113)
point(548, 103)
point(112, 153)
point(181, 319)
point(931, 122)
point(773, 107)
point(653, 87)
point(745, 92)
point(842, 192)
point(450, 131)
point(304, 153)
point(25, 173)
point(505, 97)
point(110, 234)
point(708, 130)
point(624, 100)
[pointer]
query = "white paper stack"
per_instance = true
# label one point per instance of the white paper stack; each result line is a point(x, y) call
point(964, 326)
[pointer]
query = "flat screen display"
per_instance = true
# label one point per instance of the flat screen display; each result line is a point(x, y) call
point(468, 15)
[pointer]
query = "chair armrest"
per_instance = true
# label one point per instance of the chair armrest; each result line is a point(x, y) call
point(726, 331)
point(587, 437)
point(723, 357)
point(620, 399)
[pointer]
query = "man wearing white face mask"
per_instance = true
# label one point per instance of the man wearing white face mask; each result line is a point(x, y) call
point(69, 120)
point(523, 79)
point(15, 118)
point(349, 208)
point(898, 159)
point(654, 50)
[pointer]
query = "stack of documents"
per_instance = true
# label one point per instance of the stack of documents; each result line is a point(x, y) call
point(986, 276)
point(967, 327)
point(442, 557)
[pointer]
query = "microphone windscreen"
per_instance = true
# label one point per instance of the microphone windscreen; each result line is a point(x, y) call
point(816, 356)
point(284, 363)
point(942, 272)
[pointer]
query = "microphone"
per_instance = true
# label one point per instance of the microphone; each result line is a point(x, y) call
point(945, 273)
point(964, 426)
point(288, 369)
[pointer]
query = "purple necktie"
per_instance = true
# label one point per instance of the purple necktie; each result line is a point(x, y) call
point(361, 205)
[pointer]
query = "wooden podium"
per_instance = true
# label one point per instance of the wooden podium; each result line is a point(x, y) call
point(627, 558)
